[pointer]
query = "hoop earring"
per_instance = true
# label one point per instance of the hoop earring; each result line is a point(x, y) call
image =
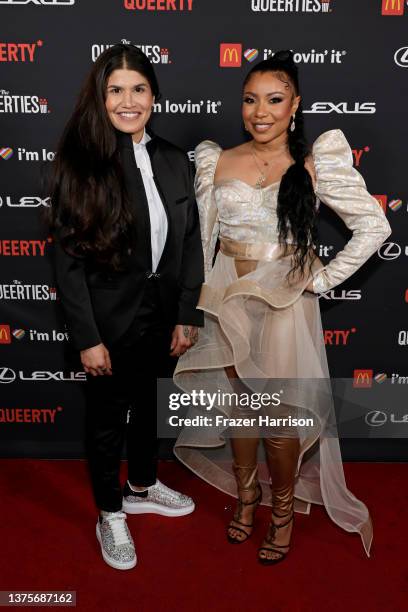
point(293, 124)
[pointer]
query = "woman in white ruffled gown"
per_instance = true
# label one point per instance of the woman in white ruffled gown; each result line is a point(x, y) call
point(262, 318)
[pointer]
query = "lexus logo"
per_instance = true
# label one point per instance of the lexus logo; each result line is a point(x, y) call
point(401, 57)
point(389, 251)
point(25, 202)
point(7, 375)
point(343, 108)
point(40, 2)
point(375, 418)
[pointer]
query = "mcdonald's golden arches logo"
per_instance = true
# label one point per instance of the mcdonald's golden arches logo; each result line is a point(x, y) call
point(230, 55)
point(393, 7)
point(5, 336)
point(363, 379)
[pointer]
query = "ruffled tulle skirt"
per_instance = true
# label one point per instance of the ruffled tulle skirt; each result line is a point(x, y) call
point(268, 328)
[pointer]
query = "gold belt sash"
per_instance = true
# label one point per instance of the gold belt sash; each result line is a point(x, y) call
point(259, 251)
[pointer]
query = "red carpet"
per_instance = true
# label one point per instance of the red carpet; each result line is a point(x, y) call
point(48, 543)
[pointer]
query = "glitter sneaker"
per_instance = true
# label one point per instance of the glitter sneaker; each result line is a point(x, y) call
point(118, 549)
point(157, 499)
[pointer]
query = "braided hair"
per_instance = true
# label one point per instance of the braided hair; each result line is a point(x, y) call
point(296, 198)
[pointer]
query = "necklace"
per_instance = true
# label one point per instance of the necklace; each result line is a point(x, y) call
point(263, 176)
point(265, 163)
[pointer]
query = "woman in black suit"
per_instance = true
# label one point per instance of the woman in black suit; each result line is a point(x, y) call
point(129, 268)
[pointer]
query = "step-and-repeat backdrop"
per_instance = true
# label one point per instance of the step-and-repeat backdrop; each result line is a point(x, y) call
point(353, 62)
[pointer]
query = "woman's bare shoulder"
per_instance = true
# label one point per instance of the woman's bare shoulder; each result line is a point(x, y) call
point(234, 153)
point(240, 149)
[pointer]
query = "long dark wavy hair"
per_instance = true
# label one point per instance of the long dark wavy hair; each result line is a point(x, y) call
point(90, 214)
point(296, 198)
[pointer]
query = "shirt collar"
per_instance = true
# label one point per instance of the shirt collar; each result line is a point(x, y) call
point(143, 142)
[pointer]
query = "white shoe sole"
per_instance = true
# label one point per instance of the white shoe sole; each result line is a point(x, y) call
point(153, 508)
point(116, 564)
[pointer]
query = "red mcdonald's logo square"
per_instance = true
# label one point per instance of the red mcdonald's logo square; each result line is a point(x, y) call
point(363, 379)
point(382, 200)
point(5, 336)
point(392, 7)
point(230, 55)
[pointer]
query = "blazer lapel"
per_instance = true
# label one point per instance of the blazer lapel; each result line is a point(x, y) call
point(163, 172)
point(138, 201)
point(164, 181)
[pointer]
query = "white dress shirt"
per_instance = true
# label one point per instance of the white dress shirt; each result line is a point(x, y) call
point(158, 217)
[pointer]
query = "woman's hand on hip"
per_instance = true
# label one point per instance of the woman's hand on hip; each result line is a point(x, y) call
point(96, 361)
point(184, 337)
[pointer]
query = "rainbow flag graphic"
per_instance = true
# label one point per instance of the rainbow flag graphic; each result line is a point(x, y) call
point(6, 152)
point(251, 54)
point(379, 378)
point(18, 333)
point(395, 205)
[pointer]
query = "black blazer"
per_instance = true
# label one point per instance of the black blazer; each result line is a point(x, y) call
point(99, 304)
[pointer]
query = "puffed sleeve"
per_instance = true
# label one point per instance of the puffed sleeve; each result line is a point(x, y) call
point(206, 158)
point(343, 189)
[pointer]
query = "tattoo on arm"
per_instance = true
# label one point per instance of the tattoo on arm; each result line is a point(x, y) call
point(190, 332)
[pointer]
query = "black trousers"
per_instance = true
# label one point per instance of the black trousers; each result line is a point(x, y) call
point(123, 406)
